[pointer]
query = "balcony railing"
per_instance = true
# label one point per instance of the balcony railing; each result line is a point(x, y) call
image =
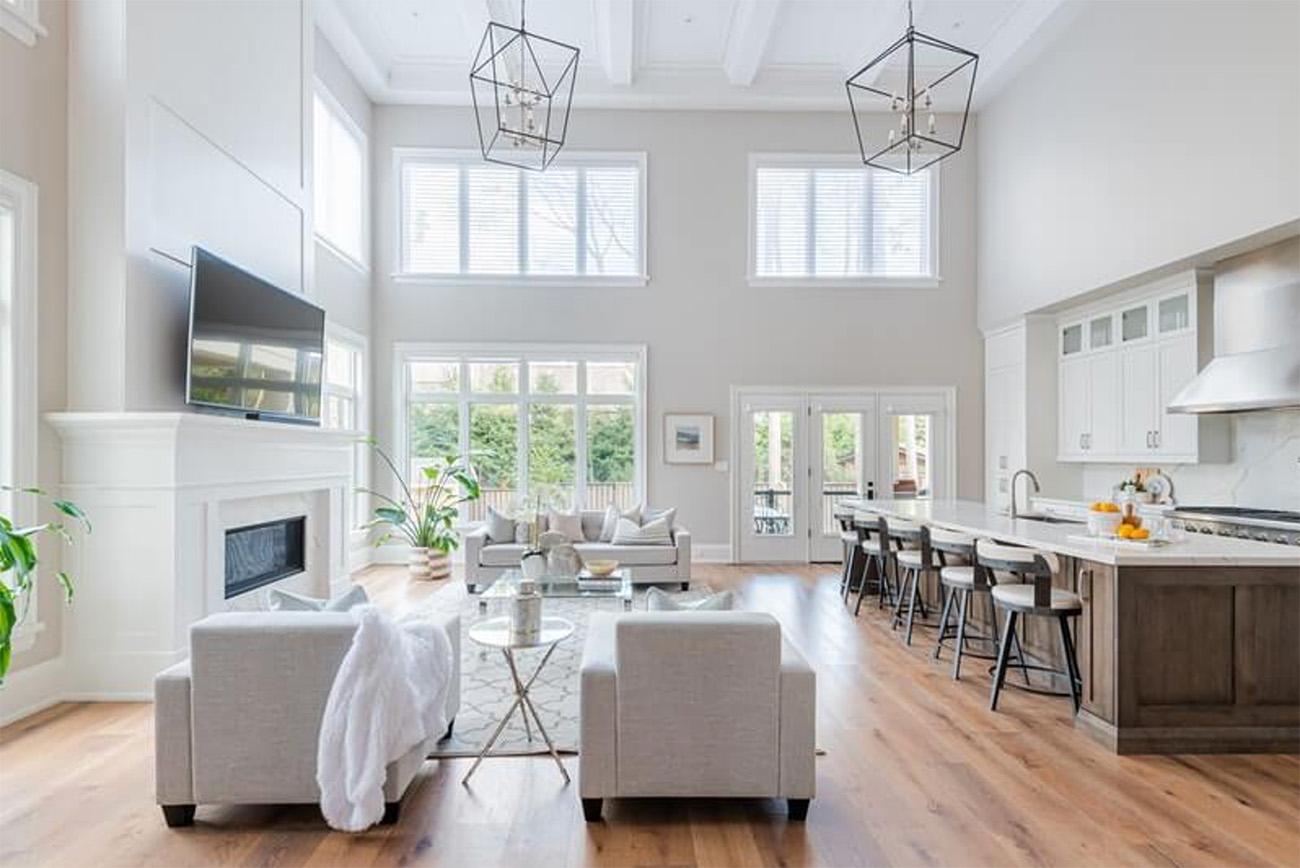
point(506, 500)
point(774, 508)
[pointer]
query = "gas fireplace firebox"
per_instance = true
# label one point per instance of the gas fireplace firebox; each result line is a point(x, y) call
point(260, 554)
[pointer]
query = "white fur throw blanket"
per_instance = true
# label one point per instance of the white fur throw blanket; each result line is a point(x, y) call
point(389, 695)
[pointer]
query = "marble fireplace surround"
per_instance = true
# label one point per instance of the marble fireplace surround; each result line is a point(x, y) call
point(162, 489)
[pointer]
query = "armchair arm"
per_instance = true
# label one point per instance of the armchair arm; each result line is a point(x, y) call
point(475, 540)
point(597, 757)
point(798, 725)
point(173, 750)
point(682, 539)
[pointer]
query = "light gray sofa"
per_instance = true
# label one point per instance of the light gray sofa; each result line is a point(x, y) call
point(239, 722)
point(693, 704)
point(485, 560)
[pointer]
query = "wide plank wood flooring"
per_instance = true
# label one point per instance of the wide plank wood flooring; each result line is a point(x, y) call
point(916, 771)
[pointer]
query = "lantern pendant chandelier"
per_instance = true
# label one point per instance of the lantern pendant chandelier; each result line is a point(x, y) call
point(522, 87)
point(908, 79)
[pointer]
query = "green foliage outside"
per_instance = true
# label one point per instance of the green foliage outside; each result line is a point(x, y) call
point(552, 439)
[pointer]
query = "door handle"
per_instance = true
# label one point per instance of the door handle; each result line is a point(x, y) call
point(1157, 435)
point(1085, 585)
point(1148, 439)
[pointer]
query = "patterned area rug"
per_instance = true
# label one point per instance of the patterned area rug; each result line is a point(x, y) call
point(486, 691)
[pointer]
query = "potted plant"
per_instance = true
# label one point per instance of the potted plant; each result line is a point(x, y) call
point(18, 556)
point(425, 514)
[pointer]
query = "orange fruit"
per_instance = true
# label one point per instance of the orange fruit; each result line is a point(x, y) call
point(1139, 533)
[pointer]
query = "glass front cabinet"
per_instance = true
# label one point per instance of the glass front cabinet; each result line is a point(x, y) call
point(1121, 362)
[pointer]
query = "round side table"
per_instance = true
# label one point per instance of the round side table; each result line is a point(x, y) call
point(495, 633)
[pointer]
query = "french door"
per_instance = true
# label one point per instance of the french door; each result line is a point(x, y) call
point(802, 452)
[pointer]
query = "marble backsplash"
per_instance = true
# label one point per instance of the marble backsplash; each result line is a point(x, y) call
point(1264, 471)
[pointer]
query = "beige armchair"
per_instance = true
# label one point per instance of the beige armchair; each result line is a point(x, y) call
point(691, 704)
point(239, 722)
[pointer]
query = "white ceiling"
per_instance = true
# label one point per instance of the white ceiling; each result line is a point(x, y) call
point(740, 54)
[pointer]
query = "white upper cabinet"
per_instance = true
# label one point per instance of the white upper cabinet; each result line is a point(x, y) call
point(1120, 364)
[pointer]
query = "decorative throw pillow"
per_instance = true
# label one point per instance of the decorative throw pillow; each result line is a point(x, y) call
point(659, 601)
point(648, 515)
point(567, 523)
point(652, 533)
point(612, 515)
point(501, 528)
point(287, 601)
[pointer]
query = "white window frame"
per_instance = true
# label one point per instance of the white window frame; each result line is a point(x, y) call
point(823, 161)
point(402, 155)
point(335, 108)
point(464, 353)
point(18, 373)
point(21, 19)
point(360, 396)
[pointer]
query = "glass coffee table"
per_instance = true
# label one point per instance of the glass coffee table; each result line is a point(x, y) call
point(618, 586)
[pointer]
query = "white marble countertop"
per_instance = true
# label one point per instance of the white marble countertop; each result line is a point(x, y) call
point(981, 519)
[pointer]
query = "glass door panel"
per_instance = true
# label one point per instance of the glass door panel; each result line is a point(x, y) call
point(843, 462)
point(773, 473)
point(773, 479)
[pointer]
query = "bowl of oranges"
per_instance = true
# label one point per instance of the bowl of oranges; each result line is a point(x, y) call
point(1132, 532)
point(1104, 518)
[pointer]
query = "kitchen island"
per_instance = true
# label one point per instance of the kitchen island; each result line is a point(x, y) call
point(1192, 647)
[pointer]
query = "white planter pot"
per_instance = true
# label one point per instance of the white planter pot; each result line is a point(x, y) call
point(417, 564)
point(439, 564)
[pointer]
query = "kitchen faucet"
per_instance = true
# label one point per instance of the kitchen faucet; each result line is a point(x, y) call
point(1014, 477)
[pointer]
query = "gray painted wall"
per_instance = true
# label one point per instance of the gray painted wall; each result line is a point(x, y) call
point(34, 145)
point(1143, 135)
point(705, 328)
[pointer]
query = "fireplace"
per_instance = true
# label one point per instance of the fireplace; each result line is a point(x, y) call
point(259, 554)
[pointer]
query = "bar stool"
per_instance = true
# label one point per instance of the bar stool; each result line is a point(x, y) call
point(1036, 597)
point(873, 542)
point(911, 563)
point(962, 582)
point(853, 556)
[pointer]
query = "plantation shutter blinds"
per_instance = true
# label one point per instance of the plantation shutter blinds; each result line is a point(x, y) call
point(461, 216)
point(837, 222)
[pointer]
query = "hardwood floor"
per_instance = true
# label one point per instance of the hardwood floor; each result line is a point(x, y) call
point(916, 771)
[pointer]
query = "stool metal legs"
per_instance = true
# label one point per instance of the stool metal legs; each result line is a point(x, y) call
point(1071, 671)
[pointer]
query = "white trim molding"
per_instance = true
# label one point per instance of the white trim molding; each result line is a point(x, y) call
point(21, 19)
point(19, 420)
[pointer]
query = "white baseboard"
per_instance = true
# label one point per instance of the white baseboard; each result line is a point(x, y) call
point(395, 553)
point(711, 553)
point(33, 689)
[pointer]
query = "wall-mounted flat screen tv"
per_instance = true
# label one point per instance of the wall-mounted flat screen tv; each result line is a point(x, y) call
point(255, 349)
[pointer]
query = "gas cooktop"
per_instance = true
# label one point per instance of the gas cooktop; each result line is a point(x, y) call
point(1266, 525)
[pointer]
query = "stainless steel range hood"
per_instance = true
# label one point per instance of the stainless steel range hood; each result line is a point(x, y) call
point(1256, 363)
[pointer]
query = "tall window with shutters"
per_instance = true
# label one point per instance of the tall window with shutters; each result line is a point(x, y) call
point(463, 220)
point(339, 179)
point(831, 220)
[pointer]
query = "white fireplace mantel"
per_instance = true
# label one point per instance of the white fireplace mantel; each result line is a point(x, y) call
point(161, 488)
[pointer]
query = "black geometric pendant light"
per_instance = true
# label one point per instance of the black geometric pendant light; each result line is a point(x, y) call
point(909, 79)
point(522, 86)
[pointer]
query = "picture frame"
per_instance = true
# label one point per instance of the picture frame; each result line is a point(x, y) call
point(688, 438)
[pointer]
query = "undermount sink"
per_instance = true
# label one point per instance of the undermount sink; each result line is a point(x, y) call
point(1049, 519)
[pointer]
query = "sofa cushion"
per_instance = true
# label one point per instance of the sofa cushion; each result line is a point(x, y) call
point(657, 600)
point(280, 600)
point(500, 527)
point(504, 555)
point(648, 515)
point(567, 523)
point(609, 522)
point(628, 555)
point(655, 532)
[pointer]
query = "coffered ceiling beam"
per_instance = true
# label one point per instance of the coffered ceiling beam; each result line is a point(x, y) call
point(751, 27)
point(615, 29)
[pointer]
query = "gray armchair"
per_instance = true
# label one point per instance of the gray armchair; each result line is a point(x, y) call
point(694, 704)
point(239, 722)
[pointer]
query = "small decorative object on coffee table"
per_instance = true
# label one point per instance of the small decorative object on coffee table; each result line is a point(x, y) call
point(498, 633)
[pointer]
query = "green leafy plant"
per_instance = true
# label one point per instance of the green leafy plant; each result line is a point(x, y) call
point(18, 561)
point(424, 514)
